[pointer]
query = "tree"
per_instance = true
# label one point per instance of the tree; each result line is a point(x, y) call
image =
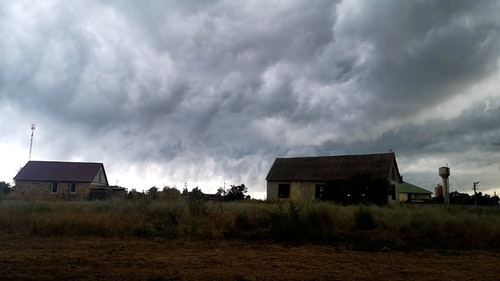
point(5, 188)
point(221, 192)
point(153, 192)
point(236, 192)
point(457, 198)
point(185, 192)
point(170, 193)
point(197, 194)
point(134, 194)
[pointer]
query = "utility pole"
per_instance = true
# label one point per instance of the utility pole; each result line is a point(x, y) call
point(33, 126)
point(474, 184)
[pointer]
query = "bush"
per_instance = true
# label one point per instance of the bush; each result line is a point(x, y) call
point(364, 219)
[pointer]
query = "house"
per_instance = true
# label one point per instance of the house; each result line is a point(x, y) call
point(61, 180)
point(413, 194)
point(307, 177)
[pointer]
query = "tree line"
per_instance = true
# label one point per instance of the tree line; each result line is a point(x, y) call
point(481, 199)
point(234, 193)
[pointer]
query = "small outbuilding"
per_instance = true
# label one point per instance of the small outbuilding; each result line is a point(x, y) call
point(410, 193)
point(60, 180)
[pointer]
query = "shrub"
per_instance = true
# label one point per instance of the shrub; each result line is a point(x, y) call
point(143, 231)
point(364, 219)
point(164, 218)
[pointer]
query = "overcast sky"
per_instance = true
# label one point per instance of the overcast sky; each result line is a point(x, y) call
point(202, 93)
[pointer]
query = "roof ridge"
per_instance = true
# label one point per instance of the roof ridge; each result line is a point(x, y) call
point(327, 156)
point(68, 162)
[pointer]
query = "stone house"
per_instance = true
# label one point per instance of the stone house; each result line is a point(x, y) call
point(306, 177)
point(60, 180)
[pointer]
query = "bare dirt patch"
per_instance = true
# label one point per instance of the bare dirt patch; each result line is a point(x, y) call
point(88, 258)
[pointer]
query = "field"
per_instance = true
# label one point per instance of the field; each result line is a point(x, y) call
point(178, 240)
point(91, 258)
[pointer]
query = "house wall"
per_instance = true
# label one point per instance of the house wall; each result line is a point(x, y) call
point(403, 197)
point(42, 190)
point(298, 190)
point(100, 178)
point(394, 173)
point(397, 195)
point(414, 197)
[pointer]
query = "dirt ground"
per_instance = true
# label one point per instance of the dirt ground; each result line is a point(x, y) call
point(84, 258)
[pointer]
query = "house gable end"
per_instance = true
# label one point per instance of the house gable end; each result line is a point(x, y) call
point(100, 177)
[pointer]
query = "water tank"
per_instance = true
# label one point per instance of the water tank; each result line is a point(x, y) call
point(438, 191)
point(444, 172)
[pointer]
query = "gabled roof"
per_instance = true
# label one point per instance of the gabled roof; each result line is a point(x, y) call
point(326, 168)
point(59, 171)
point(406, 187)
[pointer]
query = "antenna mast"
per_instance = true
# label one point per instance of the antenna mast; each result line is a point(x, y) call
point(474, 184)
point(33, 126)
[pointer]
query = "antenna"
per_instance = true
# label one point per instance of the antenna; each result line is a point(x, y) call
point(33, 127)
point(474, 184)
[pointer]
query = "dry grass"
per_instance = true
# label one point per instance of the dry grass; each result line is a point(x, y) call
point(358, 227)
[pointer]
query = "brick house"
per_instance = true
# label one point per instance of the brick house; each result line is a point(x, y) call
point(305, 177)
point(60, 180)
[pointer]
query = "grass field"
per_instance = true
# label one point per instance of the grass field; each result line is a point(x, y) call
point(248, 240)
point(353, 227)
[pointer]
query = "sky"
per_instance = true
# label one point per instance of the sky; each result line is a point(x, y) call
point(208, 93)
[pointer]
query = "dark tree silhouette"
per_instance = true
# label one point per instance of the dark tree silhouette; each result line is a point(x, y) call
point(153, 193)
point(197, 194)
point(236, 192)
point(5, 188)
point(457, 198)
point(170, 193)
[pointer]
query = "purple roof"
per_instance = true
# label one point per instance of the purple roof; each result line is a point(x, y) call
point(60, 171)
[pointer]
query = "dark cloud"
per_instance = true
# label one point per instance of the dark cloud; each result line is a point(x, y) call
point(414, 59)
point(210, 92)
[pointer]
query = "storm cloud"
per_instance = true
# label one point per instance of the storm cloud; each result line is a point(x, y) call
point(203, 93)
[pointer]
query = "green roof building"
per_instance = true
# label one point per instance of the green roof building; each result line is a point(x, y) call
point(410, 193)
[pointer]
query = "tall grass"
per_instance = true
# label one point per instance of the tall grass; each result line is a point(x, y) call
point(360, 227)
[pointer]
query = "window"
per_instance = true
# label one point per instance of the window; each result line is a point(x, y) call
point(417, 196)
point(54, 188)
point(319, 192)
point(72, 187)
point(283, 190)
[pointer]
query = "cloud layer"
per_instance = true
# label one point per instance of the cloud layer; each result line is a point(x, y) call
point(202, 94)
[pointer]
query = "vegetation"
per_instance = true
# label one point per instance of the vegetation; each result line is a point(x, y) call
point(359, 227)
point(236, 192)
point(5, 188)
point(457, 198)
